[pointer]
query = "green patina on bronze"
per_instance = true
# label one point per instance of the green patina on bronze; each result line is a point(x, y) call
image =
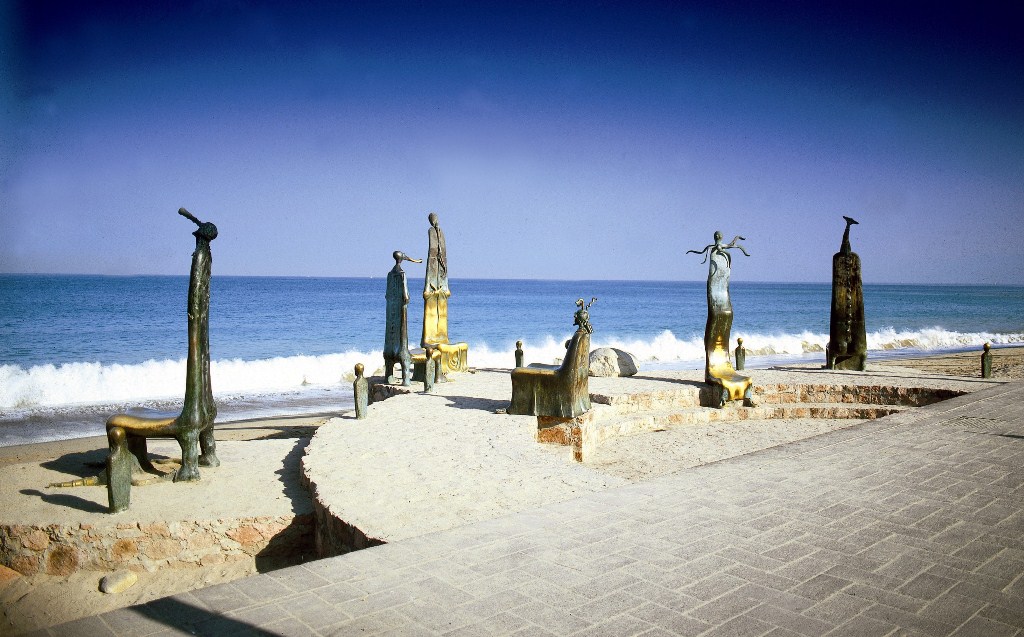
point(520, 355)
point(741, 355)
point(847, 342)
point(361, 392)
point(396, 324)
point(718, 369)
point(564, 392)
point(120, 464)
point(986, 361)
point(193, 427)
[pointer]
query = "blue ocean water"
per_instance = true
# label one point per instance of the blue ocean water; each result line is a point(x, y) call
point(75, 348)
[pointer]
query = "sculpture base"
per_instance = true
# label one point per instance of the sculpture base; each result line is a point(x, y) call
point(565, 431)
point(454, 357)
point(855, 362)
point(730, 386)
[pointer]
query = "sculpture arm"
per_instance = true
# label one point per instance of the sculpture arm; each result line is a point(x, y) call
point(704, 252)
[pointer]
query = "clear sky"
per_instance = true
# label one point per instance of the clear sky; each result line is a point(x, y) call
point(554, 139)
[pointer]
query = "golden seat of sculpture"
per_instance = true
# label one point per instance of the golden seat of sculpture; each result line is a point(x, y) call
point(454, 357)
point(150, 425)
point(721, 372)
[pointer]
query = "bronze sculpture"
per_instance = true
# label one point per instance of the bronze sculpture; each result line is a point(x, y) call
point(193, 427)
point(396, 324)
point(718, 369)
point(361, 392)
point(741, 355)
point(563, 392)
point(847, 343)
point(520, 355)
point(435, 306)
point(986, 361)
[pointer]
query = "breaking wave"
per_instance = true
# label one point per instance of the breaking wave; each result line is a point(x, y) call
point(80, 384)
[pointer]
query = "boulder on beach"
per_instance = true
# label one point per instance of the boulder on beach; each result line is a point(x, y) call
point(609, 361)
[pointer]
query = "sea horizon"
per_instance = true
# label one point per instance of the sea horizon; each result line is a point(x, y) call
point(74, 348)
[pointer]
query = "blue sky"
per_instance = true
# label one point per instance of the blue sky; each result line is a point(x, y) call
point(554, 140)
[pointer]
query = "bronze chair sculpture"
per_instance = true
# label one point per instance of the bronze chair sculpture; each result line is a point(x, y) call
point(563, 392)
point(847, 342)
point(718, 369)
point(193, 427)
point(396, 324)
point(453, 356)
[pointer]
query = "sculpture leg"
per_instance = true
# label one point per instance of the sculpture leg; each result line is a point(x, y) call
point(138, 448)
point(389, 370)
point(189, 470)
point(748, 397)
point(208, 447)
point(406, 363)
point(119, 471)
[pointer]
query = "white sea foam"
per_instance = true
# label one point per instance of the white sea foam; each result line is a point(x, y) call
point(80, 384)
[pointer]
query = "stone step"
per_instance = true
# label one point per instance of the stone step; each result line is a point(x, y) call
point(608, 423)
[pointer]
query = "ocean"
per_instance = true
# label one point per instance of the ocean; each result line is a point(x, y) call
point(74, 349)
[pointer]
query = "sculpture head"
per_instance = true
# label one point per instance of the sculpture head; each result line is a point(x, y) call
point(988, 346)
point(206, 230)
point(432, 218)
point(359, 370)
point(739, 341)
point(718, 236)
point(401, 256)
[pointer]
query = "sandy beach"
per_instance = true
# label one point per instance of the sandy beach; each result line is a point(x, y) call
point(275, 446)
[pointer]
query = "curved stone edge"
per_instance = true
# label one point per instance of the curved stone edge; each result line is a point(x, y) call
point(333, 535)
point(62, 549)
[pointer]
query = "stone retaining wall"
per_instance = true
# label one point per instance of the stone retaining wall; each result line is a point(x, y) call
point(59, 549)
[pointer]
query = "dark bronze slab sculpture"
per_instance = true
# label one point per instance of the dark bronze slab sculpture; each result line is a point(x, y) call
point(847, 339)
point(718, 369)
point(563, 392)
point(193, 427)
point(454, 356)
point(396, 324)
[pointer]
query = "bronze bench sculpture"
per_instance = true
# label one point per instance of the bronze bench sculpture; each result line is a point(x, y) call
point(562, 392)
point(718, 369)
point(193, 427)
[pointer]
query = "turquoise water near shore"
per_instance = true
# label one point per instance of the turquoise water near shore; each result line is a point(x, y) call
point(75, 348)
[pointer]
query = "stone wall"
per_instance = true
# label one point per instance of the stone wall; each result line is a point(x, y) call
point(59, 549)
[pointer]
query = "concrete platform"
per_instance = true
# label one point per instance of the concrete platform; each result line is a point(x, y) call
point(910, 524)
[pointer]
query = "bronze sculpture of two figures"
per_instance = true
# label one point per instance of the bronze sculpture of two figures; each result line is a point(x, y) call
point(450, 357)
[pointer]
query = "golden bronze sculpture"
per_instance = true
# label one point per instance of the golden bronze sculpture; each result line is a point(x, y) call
point(848, 342)
point(741, 355)
point(361, 392)
point(564, 392)
point(718, 369)
point(454, 356)
point(396, 323)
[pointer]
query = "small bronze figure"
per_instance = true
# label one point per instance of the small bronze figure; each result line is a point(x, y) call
point(562, 392)
point(741, 355)
point(361, 392)
point(718, 369)
point(396, 326)
point(847, 343)
point(430, 371)
point(519, 354)
point(986, 361)
point(120, 463)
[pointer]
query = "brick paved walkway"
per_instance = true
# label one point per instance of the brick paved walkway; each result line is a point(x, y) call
point(908, 525)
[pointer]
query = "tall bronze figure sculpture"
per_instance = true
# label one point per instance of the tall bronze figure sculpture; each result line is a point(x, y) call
point(847, 342)
point(193, 427)
point(718, 369)
point(396, 325)
point(435, 305)
point(563, 392)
